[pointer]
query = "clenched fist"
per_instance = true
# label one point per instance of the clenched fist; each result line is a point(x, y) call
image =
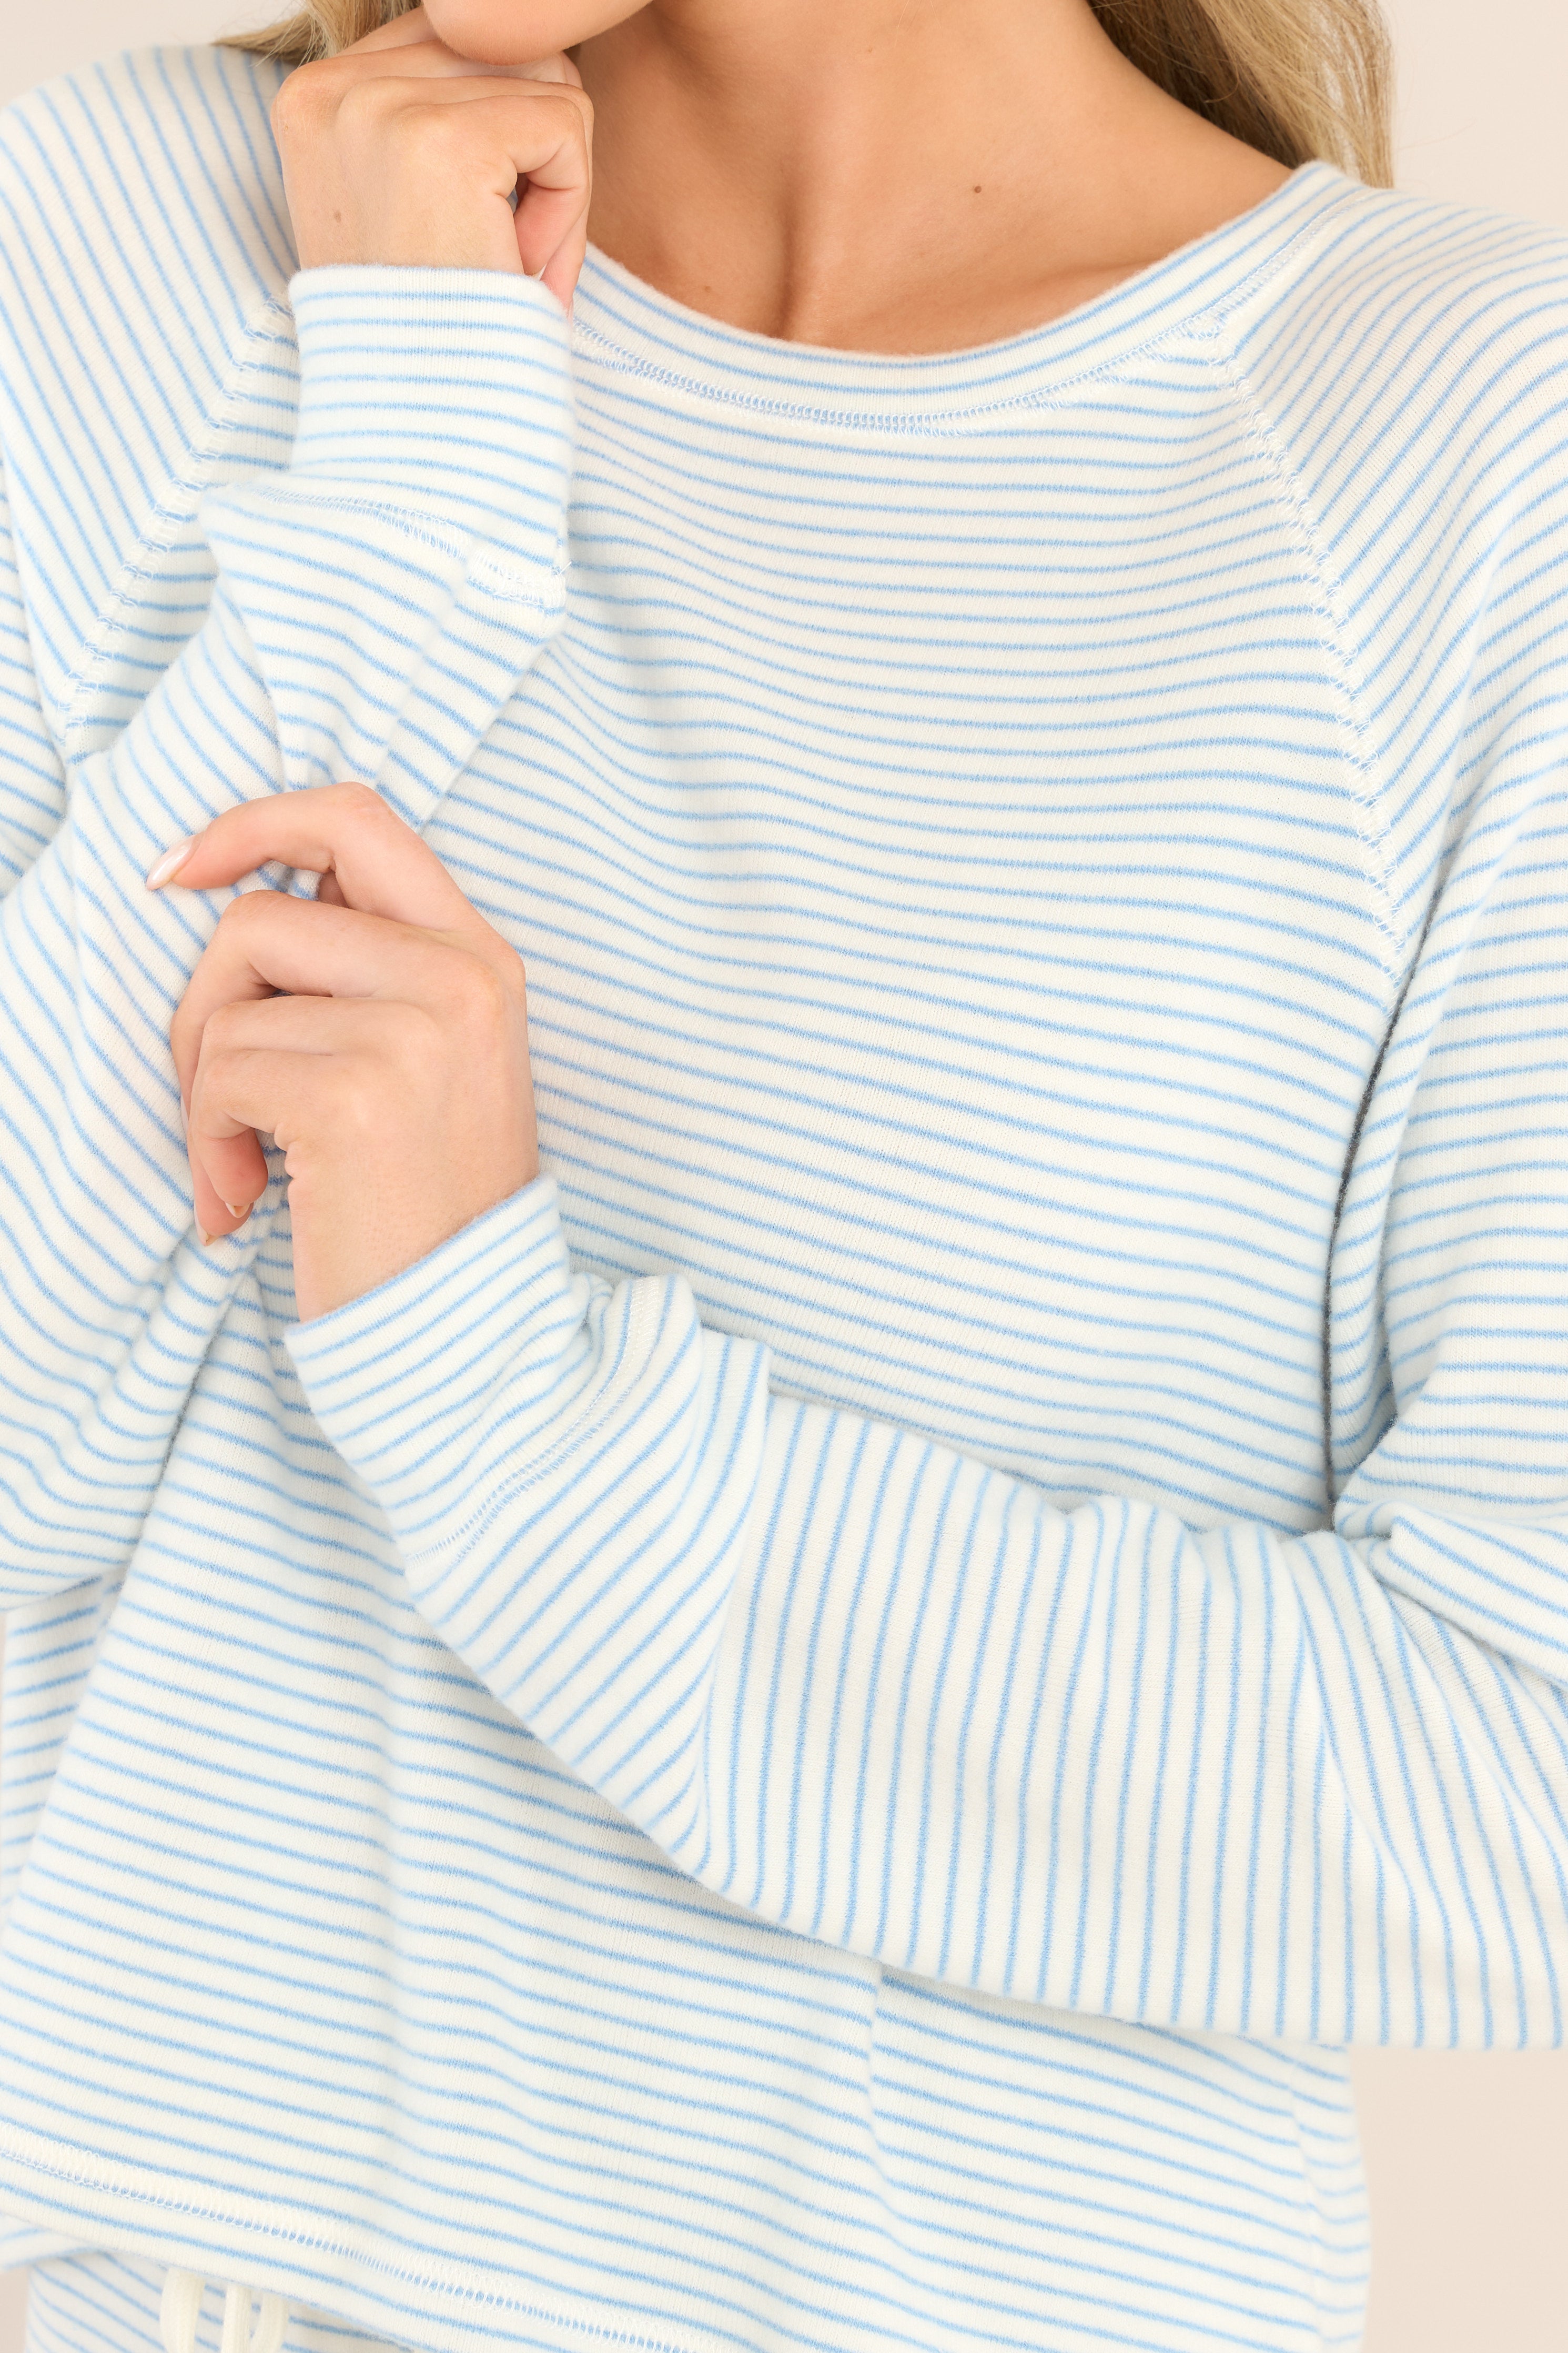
point(401, 150)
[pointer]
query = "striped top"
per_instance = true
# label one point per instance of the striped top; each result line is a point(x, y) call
point(813, 1734)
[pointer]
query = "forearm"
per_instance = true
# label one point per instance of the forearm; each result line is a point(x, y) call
point(887, 1695)
point(406, 569)
point(375, 608)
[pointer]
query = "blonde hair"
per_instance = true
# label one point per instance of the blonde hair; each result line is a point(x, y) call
point(1294, 79)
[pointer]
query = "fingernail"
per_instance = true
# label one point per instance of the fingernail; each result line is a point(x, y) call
point(204, 1238)
point(170, 863)
point(238, 1208)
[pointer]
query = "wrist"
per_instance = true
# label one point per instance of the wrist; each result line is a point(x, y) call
point(402, 1368)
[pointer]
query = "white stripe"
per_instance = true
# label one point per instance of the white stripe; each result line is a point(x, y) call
point(792, 1743)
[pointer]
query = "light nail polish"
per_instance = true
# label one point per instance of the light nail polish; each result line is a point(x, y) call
point(170, 863)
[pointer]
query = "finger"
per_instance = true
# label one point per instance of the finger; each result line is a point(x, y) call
point(565, 265)
point(239, 1091)
point(381, 865)
point(429, 61)
point(545, 143)
point(308, 1025)
point(228, 1176)
point(553, 239)
point(266, 941)
point(422, 50)
point(229, 1169)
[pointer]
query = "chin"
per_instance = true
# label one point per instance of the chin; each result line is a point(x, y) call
point(515, 32)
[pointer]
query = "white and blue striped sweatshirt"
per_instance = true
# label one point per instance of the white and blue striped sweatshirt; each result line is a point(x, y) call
point(811, 1736)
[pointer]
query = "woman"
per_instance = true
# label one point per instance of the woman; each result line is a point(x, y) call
point(804, 1713)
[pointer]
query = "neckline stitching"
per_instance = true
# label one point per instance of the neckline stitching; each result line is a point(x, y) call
point(938, 422)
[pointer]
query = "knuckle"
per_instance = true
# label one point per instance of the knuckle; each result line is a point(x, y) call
point(479, 991)
point(478, 998)
point(286, 107)
point(245, 912)
point(362, 101)
point(218, 1032)
point(513, 980)
point(571, 111)
point(420, 127)
point(357, 804)
point(361, 1099)
point(305, 98)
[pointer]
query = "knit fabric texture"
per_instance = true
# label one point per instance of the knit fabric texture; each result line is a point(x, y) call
point(815, 1735)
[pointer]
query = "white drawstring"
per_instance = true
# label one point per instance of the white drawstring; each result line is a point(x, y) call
point(182, 2293)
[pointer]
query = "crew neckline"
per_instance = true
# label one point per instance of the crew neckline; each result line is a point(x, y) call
point(623, 320)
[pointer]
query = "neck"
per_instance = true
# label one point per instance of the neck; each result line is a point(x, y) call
point(893, 175)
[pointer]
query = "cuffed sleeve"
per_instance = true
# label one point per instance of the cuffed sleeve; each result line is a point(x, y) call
point(436, 396)
point(398, 574)
point(505, 1410)
point(377, 601)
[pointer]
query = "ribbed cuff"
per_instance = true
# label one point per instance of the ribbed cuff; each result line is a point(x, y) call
point(442, 394)
point(400, 1379)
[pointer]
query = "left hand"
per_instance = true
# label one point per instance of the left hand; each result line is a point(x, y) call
point(379, 1033)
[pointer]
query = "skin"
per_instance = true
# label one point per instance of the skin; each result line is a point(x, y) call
point(880, 175)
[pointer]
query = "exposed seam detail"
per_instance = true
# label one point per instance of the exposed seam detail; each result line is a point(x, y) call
point(1365, 801)
point(497, 579)
point(1198, 323)
point(496, 2299)
point(600, 1407)
point(270, 331)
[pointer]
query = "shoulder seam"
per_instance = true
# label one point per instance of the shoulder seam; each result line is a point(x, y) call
point(1366, 800)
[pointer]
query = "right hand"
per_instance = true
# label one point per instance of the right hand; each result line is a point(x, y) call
point(399, 150)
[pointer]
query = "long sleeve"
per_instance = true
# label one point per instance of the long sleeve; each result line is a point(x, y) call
point(32, 773)
point(1312, 1787)
point(377, 598)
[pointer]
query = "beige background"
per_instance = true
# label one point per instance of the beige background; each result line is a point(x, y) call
point(1467, 2157)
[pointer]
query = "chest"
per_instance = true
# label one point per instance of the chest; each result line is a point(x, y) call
point(948, 938)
